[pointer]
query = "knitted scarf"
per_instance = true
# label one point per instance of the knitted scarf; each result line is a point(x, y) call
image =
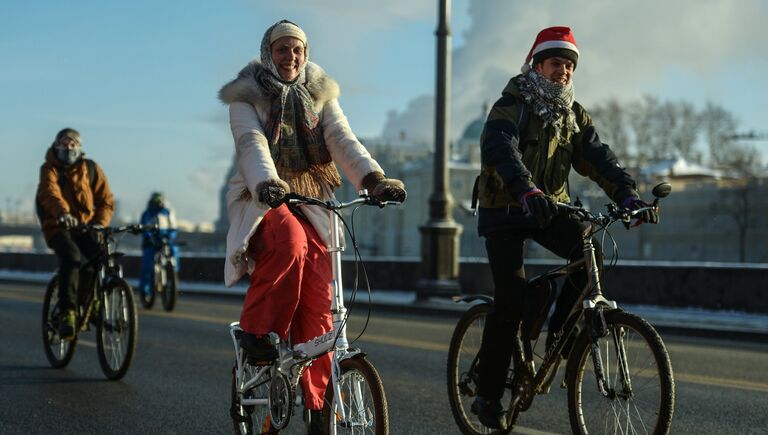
point(551, 101)
point(294, 131)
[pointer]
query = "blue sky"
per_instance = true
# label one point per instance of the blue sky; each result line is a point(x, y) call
point(139, 79)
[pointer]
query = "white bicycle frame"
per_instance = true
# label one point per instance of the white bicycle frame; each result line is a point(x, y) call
point(302, 354)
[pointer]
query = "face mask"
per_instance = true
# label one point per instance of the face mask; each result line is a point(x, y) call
point(68, 156)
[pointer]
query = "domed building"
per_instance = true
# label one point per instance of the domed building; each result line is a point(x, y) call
point(467, 148)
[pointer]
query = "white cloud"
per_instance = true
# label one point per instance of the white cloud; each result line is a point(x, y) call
point(627, 49)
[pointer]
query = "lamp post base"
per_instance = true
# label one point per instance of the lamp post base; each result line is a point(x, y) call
point(439, 260)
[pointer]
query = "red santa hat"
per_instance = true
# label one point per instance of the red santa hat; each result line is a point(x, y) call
point(551, 42)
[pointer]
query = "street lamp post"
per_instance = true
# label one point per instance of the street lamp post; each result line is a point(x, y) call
point(440, 234)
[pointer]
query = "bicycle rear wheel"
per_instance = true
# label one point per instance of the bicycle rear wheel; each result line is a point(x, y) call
point(59, 352)
point(247, 417)
point(117, 329)
point(638, 379)
point(170, 287)
point(363, 408)
point(462, 373)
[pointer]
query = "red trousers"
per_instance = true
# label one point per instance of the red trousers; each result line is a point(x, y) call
point(290, 290)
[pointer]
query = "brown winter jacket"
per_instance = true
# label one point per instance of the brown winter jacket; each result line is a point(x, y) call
point(72, 194)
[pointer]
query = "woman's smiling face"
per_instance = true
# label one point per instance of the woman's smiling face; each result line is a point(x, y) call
point(288, 55)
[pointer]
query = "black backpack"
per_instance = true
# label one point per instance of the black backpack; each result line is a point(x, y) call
point(62, 180)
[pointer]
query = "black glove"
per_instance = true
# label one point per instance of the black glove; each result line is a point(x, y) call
point(67, 221)
point(539, 206)
point(272, 192)
point(384, 189)
point(633, 203)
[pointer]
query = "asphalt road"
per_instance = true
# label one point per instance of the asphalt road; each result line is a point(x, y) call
point(179, 380)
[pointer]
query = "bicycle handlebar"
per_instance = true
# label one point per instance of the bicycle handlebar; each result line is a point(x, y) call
point(364, 199)
point(131, 228)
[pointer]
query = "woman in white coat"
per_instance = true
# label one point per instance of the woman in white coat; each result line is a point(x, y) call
point(290, 134)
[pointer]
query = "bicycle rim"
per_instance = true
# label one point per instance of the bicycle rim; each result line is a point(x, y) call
point(117, 330)
point(363, 408)
point(641, 404)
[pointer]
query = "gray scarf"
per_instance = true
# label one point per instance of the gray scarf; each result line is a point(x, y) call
point(552, 102)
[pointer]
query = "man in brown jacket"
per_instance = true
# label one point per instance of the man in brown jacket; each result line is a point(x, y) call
point(73, 190)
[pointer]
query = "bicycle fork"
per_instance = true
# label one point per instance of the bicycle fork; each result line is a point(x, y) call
point(598, 328)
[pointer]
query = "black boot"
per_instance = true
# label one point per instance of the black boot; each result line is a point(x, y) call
point(490, 413)
point(261, 349)
point(313, 422)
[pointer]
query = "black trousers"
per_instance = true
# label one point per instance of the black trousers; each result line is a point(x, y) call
point(74, 251)
point(505, 257)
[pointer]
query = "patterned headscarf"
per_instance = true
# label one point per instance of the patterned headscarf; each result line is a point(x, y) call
point(551, 101)
point(294, 130)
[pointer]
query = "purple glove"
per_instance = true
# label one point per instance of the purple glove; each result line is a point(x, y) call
point(633, 203)
point(538, 205)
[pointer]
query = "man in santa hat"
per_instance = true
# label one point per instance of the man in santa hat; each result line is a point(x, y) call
point(533, 136)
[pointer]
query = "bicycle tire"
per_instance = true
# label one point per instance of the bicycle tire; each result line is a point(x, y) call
point(58, 352)
point(171, 287)
point(461, 374)
point(246, 417)
point(649, 405)
point(148, 299)
point(357, 372)
point(117, 329)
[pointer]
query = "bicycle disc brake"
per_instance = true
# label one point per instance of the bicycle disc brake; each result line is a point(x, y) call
point(281, 398)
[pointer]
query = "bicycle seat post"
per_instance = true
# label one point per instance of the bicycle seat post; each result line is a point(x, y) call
point(338, 310)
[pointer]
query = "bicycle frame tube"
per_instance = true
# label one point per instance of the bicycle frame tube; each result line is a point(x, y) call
point(338, 310)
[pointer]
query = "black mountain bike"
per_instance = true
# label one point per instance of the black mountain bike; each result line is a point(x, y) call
point(618, 374)
point(109, 306)
point(165, 278)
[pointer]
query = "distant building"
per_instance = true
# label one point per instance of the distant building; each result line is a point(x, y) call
point(710, 215)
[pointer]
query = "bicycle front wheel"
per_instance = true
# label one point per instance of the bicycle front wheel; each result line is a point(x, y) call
point(59, 352)
point(640, 389)
point(117, 329)
point(462, 371)
point(171, 286)
point(363, 407)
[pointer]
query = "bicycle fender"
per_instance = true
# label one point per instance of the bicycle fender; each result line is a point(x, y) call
point(353, 353)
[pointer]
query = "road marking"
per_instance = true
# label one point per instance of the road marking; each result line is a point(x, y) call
point(410, 344)
point(20, 296)
point(188, 316)
point(760, 387)
point(86, 343)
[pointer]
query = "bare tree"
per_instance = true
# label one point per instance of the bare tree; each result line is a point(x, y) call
point(720, 130)
point(684, 129)
point(610, 121)
point(644, 127)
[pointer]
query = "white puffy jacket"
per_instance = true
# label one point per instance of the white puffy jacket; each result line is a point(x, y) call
point(249, 109)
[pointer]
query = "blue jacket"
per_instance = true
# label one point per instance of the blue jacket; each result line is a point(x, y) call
point(165, 221)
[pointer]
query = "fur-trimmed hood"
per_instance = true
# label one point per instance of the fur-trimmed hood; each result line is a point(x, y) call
point(246, 89)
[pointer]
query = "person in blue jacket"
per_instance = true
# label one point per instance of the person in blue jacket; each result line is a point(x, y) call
point(161, 216)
